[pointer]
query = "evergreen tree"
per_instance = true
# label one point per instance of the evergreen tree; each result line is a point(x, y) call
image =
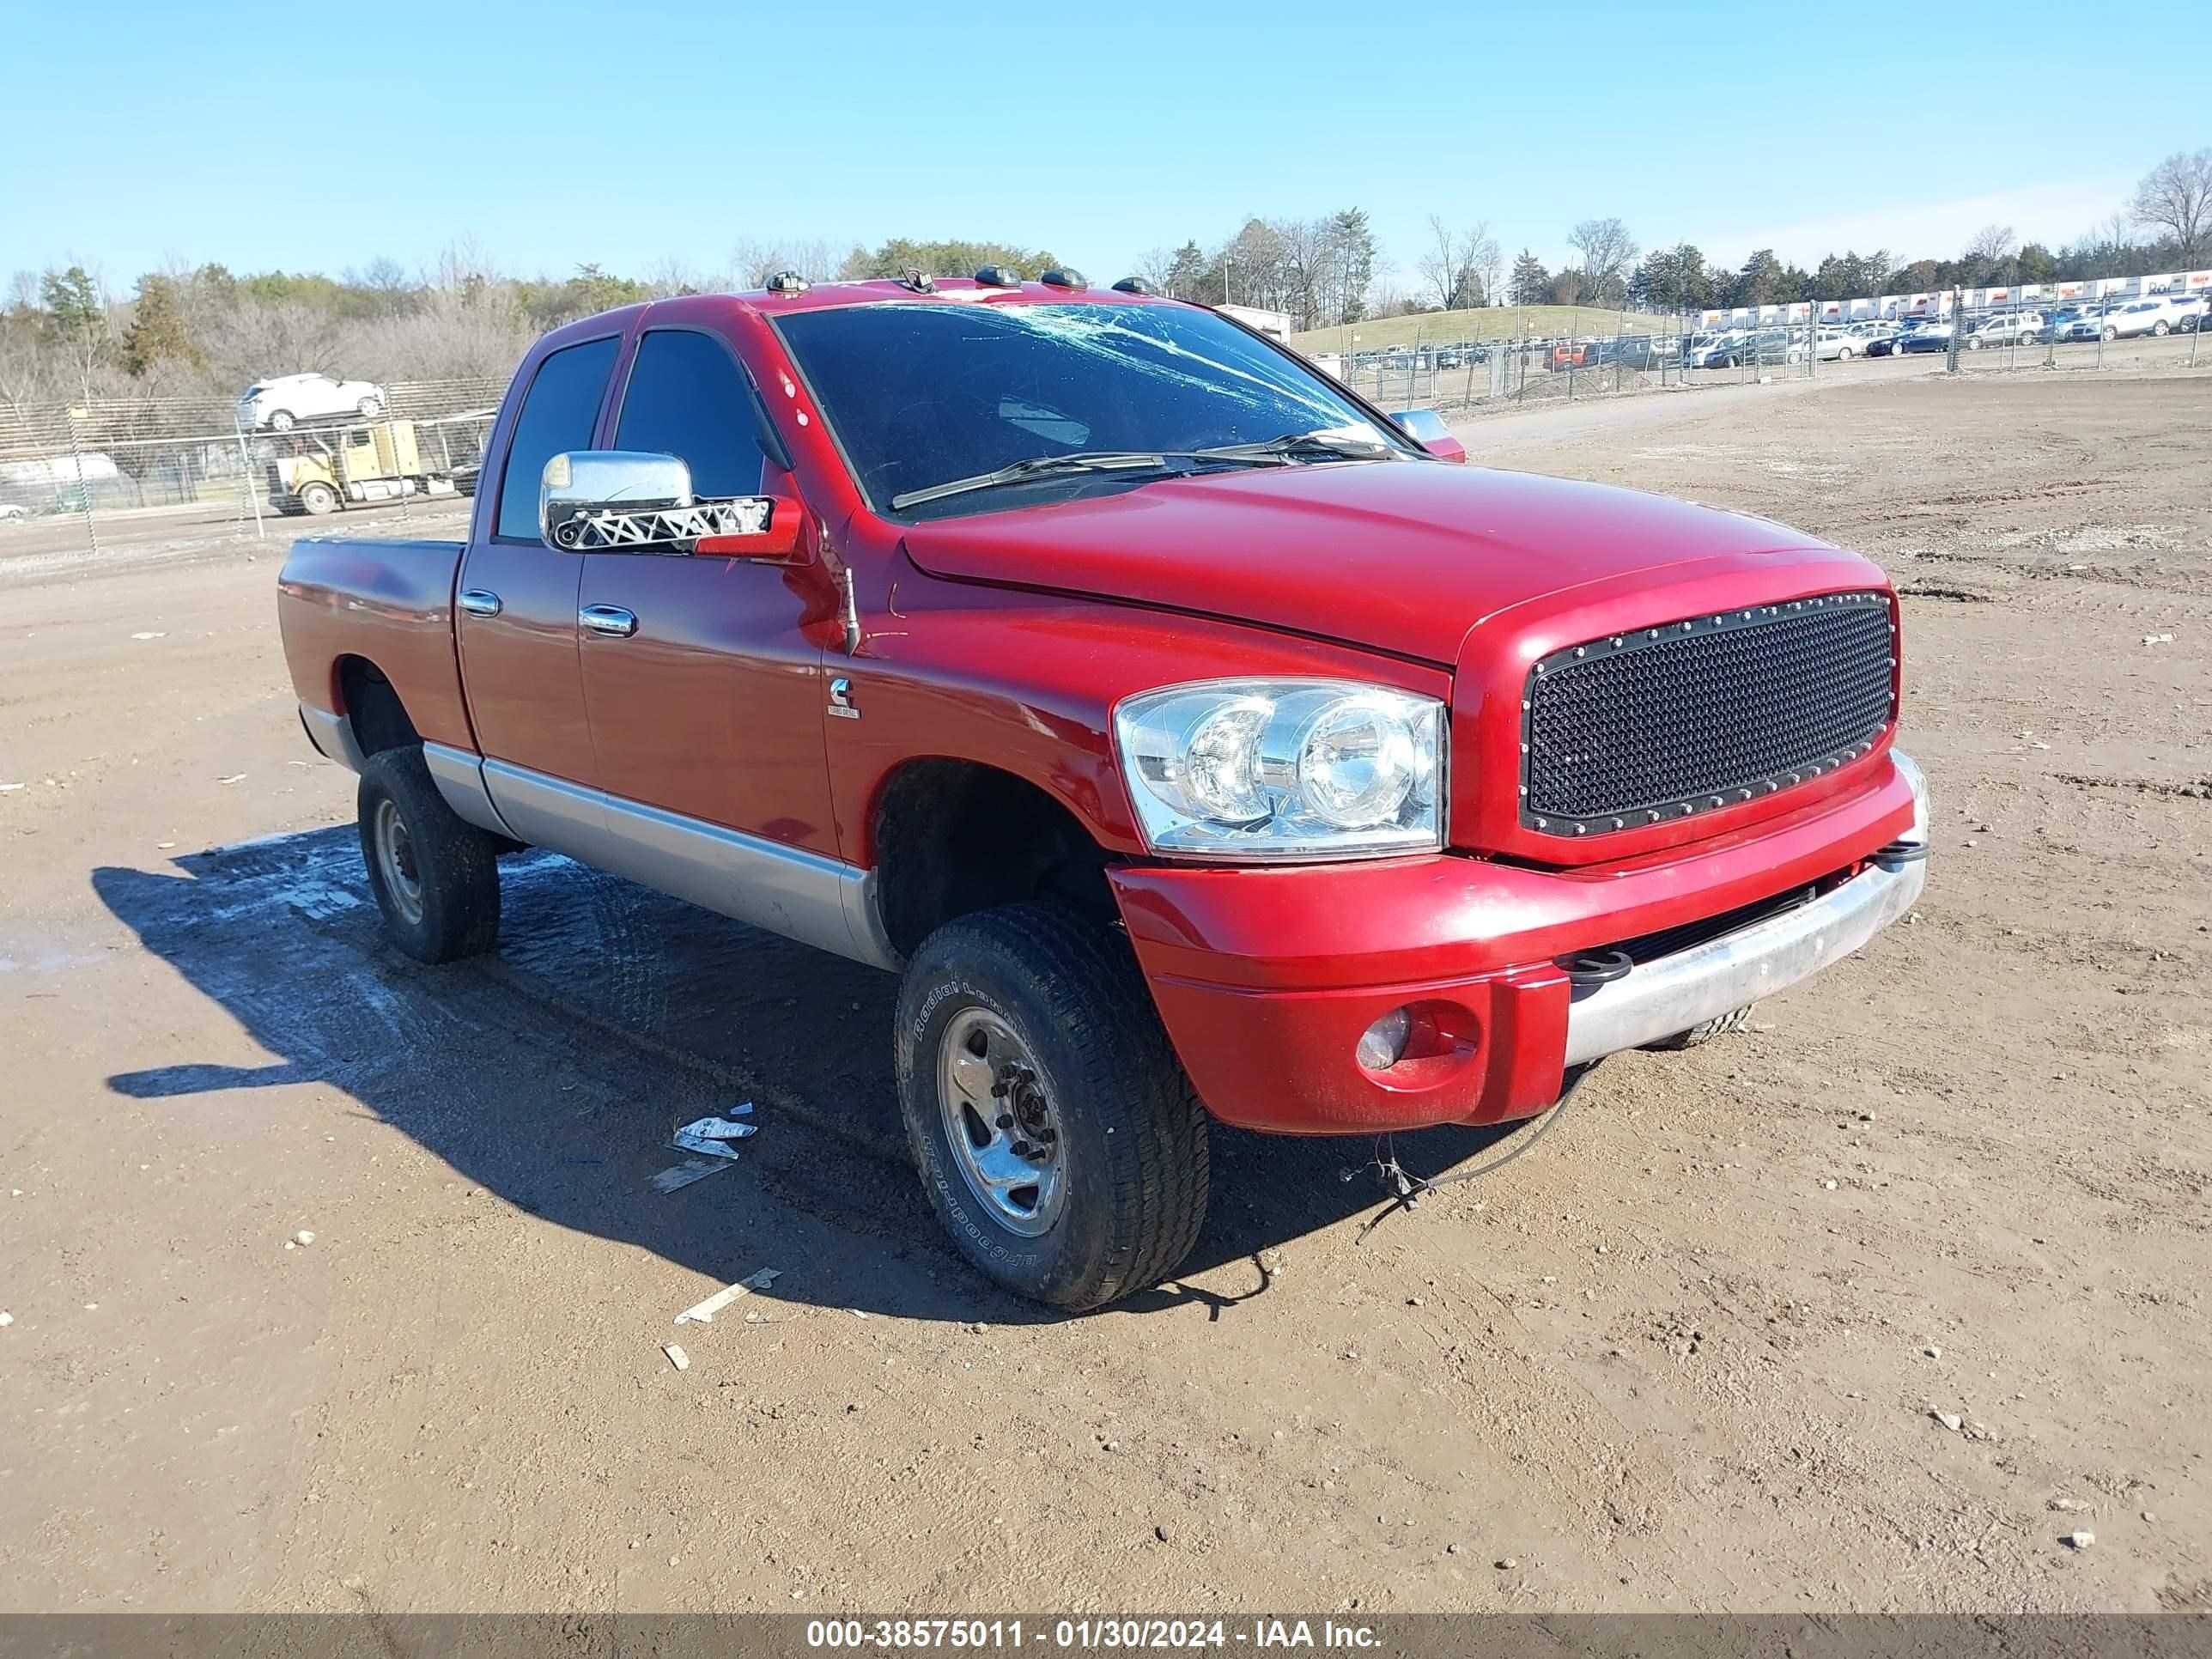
point(1530, 283)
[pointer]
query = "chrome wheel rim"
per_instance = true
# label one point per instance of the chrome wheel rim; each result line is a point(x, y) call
point(1000, 1124)
point(395, 861)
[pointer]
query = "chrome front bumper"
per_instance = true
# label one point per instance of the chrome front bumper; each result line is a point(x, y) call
point(1661, 998)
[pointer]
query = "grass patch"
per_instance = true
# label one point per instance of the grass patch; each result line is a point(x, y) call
point(1490, 322)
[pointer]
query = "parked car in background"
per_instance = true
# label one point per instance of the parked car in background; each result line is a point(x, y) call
point(281, 403)
point(2137, 317)
point(1929, 337)
point(1644, 351)
point(2006, 328)
point(1838, 345)
point(1893, 344)
point(2189, 313)
point(2087, 324)
point(13, 512)
point(2057, 323)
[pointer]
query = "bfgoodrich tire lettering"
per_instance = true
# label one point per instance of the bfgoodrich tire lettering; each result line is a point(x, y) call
point(435, 877)
point(1132, 1137)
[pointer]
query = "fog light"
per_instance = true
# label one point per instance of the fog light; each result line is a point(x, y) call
point(1383, 1044)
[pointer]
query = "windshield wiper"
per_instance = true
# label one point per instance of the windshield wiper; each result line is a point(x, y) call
point(1326, 446)
point(1093, 460)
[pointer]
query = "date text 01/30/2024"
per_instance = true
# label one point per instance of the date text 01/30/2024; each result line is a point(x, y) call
point(1087, 1634)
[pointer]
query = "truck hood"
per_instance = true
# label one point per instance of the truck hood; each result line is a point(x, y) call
point(1399, 557)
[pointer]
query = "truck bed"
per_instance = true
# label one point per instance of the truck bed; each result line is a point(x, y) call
point(388, 602)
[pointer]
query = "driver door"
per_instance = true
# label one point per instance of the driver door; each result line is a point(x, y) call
point(705, 698)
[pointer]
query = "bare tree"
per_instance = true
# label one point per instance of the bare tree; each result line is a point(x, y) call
point(1309, 262)
point(1439, 262)
point(1993, 244)
point(387, 282)
point(1460, 267)
point(1607, 251)
point(1156, 268)
point(263, 337)
point(2175, 199)
point(1486, 261)
point(669, 275)
point(753, 261)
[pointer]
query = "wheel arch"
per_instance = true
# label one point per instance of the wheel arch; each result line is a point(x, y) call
point(364, 694)
point(948, 836)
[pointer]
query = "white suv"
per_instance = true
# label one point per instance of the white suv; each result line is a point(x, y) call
point(2156, 315)
point(281, 403)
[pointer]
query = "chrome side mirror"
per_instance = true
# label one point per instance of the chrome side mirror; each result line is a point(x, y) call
point(621, 501)
point(583, 492)
point(1426, 427)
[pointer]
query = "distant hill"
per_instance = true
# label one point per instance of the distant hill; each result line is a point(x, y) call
point(1490, 322)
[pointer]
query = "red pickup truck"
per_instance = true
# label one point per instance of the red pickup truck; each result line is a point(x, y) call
point(1192, 736)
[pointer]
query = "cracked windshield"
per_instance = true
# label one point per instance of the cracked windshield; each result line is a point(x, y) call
point(924, 396)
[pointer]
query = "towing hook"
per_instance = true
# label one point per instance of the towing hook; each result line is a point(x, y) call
point(1899, 853)
point(1587, 969)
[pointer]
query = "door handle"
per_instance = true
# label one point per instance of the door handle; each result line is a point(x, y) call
point(479, 602)
point(609, 619)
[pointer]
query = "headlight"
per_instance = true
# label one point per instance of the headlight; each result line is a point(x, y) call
point(1284, 768)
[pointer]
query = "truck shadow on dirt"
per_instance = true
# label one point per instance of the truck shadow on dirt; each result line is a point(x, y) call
point(551, 1074)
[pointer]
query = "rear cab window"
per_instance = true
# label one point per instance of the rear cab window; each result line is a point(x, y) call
point(558, 413)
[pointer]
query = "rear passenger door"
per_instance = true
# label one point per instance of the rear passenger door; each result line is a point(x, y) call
point(516, 611)
point(712, 707)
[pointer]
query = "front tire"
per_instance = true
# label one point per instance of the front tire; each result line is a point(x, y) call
point(281, 420)
point(319, 499)
point(370, 409)
point(435, 876)
point(1059, 1140)
point(1697, 1036)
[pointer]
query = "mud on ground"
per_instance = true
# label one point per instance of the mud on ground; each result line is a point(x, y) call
point(1684, 1356)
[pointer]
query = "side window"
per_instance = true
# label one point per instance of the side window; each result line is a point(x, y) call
point(558, 413)
point(688, 397)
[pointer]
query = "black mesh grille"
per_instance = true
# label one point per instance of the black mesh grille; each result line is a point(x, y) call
point(1694, 714)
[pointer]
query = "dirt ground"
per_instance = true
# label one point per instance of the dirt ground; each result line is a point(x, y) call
point(1685, 1355)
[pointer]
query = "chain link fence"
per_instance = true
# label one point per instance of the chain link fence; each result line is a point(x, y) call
point(178, 475)
point(1959, 331)
point(175, 474)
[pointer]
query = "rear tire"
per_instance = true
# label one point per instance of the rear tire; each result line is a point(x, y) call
point(435, 876)
point(1698, 1036)
point(1027, 1032)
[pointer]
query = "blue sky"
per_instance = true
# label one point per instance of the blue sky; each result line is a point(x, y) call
point(557, 132)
